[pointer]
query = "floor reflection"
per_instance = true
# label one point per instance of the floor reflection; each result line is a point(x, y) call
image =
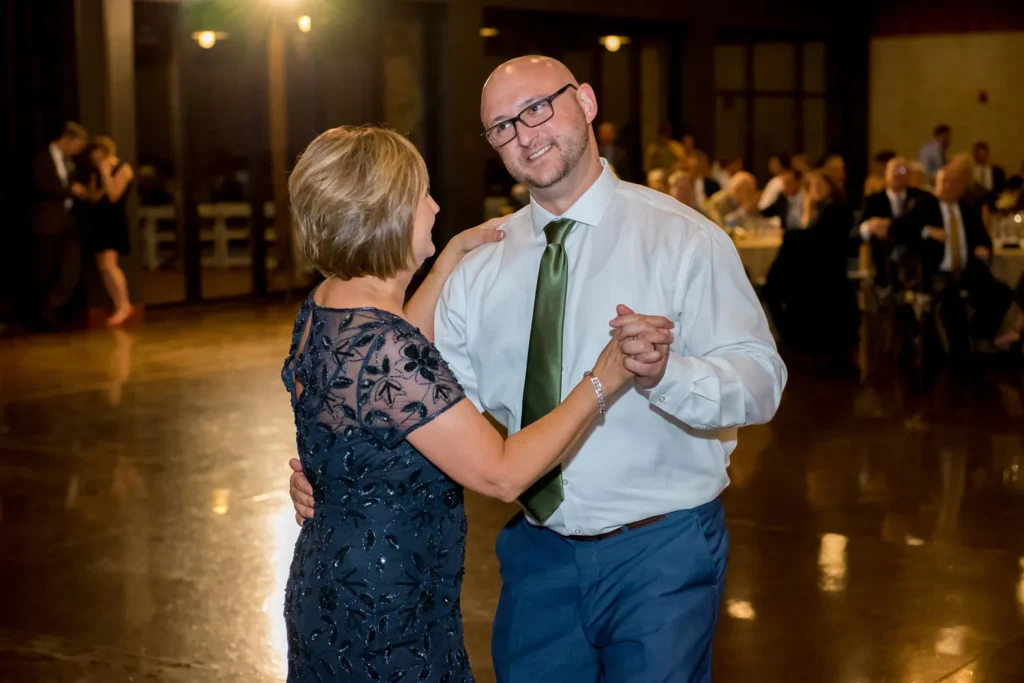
point(147, 534)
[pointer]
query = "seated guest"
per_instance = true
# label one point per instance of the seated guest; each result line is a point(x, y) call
point(726, 169)
point(948, 232)
point(704, 186)
point(776, 165)
point(918, 177)
point(657, 179)
point(986, 175)
point(835, 168)
point(612, 151)
point(680, 186)
point(949, 238)
point(736, 205)
point(665, 152)
point(896, 202)
point(875, 182)
point(689, 143)
point(789, 204)
point(800, 163)
point(1011, 195)
point(808, 292)
point(971, 192)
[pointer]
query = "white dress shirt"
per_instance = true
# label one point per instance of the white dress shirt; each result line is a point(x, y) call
point(700, 195)
point(983, 176)
point(933, 156)
point(62, 171)
point(947, 259)
point(654, 452)
point(795, 213)
point(897, 207)
point(771, 192)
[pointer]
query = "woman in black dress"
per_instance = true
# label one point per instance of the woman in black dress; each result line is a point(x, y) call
point(108, 222)
point(813, 304)
point(384, 435)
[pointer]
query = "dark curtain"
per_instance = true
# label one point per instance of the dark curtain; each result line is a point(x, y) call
point(39, 83)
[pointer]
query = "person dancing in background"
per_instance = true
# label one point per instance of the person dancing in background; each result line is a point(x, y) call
point(108, 222)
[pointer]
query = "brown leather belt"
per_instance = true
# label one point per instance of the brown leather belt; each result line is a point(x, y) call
point(615, 532)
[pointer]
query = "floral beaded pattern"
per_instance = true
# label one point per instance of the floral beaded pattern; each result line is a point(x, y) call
point(373, 592)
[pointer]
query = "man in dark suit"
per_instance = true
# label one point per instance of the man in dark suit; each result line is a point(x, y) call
point(948, 232)
point(896, 204)
point(57, 245)
point(788, 206)
point(950, 238)
point(990, 177)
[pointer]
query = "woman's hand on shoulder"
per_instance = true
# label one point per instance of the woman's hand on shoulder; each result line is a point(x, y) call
point(468, 240)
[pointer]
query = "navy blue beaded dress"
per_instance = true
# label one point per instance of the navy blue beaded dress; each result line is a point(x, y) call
point(373, 592)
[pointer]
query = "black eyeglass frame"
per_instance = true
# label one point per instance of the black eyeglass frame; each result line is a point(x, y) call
point(549, 100)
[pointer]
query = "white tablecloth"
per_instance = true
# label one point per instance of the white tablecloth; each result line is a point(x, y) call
point(1008, 265)
point(758, 254)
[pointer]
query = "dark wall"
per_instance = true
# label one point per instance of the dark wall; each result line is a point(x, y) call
point(40, 93)
point(917, 17)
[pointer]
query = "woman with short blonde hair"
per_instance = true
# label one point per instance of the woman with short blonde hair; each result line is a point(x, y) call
point(384, 437)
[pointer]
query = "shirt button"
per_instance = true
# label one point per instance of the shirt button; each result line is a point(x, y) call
point(661, 399)
point(565, 482)
point(578, 532)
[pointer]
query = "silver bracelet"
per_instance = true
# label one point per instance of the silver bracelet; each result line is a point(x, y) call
point(602, 405)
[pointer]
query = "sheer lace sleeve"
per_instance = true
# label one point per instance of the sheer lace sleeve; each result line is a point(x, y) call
point(404, 384)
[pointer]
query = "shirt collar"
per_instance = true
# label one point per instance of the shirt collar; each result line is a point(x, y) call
point(589, 209)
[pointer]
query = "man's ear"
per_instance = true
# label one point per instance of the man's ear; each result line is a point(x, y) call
point(588, 101)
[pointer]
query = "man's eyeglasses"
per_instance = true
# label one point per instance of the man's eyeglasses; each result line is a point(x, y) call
point(537, 113)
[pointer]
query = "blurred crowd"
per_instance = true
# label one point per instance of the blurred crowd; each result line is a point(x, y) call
point(923, 233)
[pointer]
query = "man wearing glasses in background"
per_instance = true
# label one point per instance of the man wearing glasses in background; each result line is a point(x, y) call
point(615, 572)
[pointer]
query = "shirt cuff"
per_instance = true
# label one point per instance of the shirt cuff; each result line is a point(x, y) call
point(865, 231)
point(684, 382)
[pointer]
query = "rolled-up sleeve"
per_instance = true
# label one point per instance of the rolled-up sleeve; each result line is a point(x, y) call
point(450, 334)
point(724, 369)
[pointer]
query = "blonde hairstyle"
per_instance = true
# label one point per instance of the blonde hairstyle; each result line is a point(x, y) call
point(354, 195)
point(106, 143)
point(873, 185)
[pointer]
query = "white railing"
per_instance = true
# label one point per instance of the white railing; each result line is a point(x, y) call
point(220, 225)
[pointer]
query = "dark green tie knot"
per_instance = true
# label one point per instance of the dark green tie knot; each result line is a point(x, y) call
point(557, 229)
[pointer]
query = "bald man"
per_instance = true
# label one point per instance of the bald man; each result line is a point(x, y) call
point(621, 580)
point(898, 203)
point(614, 572)
point(736, 204)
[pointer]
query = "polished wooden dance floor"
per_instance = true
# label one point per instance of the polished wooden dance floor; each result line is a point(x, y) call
point(145, 530)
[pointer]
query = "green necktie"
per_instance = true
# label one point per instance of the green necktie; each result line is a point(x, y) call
point(542, 391)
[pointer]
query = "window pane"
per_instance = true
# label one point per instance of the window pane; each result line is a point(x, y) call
point(581, 63)
point(814, 128)
point(654, 60)
point(814, 67)
point(730, 126)
point(774, 132)
point(730, 67)
point(616, 84)
point(161, 244)
point(403, 78)
point(775, 66)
